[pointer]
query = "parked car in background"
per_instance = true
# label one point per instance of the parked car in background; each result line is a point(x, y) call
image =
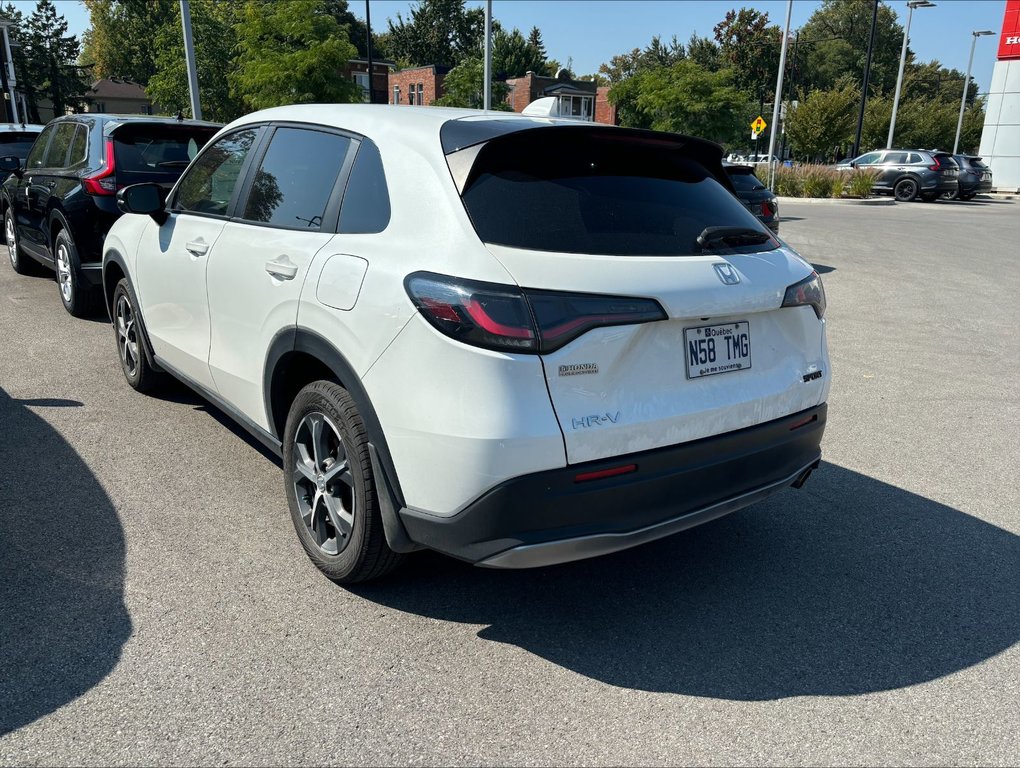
point(16, 140)
point(759, 199)
point(583, 344)
point(60, 201)
point(908, 174)
point(975, 177)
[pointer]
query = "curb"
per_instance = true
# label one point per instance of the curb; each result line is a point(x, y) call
point(838, 200)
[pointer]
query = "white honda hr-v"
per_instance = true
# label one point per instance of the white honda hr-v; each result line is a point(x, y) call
point(515, 340)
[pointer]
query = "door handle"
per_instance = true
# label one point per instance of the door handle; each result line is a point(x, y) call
point(197, 248)
point(282, 267)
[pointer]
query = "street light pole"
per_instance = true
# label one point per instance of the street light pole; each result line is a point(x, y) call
point(779, 93)
point(911, 4)
point(487, 90)
point(189, 60)
point(966, 84)
point(867, 75)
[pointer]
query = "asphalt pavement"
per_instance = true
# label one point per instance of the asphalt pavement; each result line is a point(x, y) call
point(156, 607)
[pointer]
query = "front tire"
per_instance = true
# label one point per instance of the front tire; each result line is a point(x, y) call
point(905, 190)
point(130, 342)
point(76, 298)
point(331, 489)
point(20, 263)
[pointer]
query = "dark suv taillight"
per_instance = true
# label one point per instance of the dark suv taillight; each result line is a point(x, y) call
point(511, 319)
point(936, 165)
point(103, 181)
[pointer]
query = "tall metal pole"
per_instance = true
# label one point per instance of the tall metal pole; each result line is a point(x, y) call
point(189, 58)
point(779, 93)
point(867, 76)
point(9, 80)
point(487, 89)
point(966, 84)
point(368, 48)
point(899, 77)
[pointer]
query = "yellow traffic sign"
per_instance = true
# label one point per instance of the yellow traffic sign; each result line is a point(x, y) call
point(758, 125)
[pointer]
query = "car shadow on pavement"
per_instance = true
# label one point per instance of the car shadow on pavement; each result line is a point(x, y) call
point(845, 587)
point(63, 620)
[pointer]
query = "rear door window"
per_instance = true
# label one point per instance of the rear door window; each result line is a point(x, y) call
point(895, 158)
point(56, 155)
point(599, 192)
point(295, 179)
point(156, 152)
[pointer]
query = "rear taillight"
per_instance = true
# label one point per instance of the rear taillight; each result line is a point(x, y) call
point(768, 208)
point(103, 181)
point(808, 291)
point(936, 165)
point(511, 319)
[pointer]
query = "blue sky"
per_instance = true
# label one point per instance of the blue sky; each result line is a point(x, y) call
point(592, 31)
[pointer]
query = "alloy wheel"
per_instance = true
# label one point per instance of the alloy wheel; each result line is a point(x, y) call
point(64, 272)
point(906, 190)
point(11, 235)
point(127, 336)
point(323, 483)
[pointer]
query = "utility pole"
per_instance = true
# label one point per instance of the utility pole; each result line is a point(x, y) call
point(487, 90)
point(966, 84)
point(189, 59)
point(867, 76)
point(911, 5)
point(779, 92)
point(368, 48)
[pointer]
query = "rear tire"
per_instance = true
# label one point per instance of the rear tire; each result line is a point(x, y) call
point(954, 195)
point(131, 342)
point(20, 263)
point(331, 489)
point(905, 190)
point(78, 299)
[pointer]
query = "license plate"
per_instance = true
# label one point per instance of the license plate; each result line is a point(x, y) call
point(712, 349)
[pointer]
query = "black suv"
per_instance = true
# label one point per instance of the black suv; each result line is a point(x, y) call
point(59, 204)
point(909, 173)
point(756, 197)
point(975, 177)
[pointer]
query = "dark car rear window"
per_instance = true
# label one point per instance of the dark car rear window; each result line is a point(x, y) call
point(598, 192)
point(16, 144)
point(946, 159)
point(156, 152)
point(745, 182)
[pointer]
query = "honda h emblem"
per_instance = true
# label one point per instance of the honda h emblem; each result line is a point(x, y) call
point(727, 274)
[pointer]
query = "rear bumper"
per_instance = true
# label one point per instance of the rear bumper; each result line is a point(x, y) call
point(975, 187)
point(548, 517)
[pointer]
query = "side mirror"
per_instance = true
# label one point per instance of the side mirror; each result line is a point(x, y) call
point(853, 163)
point(148, 198)
point(10, 164)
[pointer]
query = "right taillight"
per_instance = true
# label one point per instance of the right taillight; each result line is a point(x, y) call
point(935, 166)
point(807, 292)
point(511, 319)
point(103, 181)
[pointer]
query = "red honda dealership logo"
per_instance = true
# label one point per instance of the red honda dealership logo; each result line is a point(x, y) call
point(1009, 41)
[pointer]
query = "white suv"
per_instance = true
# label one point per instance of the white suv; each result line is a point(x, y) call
point(515, 340)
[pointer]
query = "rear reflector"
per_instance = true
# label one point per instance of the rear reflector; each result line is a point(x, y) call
point(804, 422)
point(584, 477)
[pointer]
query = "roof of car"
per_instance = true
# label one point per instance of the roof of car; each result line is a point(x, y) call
point(109, 117)
point(20, 128)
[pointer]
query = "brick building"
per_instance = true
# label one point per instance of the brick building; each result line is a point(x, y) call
point(581, 99)
point(419, 85)
point(357, 70)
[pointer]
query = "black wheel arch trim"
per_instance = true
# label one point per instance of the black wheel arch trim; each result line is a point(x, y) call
point(114, 257)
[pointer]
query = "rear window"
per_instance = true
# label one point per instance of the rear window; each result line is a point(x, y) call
point(597, 192)
point(946, 160)
point(16, 144)
point(975, 162)
point(156, 152)
point(745, 182)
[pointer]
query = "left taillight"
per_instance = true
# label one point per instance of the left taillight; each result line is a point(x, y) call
point(511, 319)
point(103, 181)
point(807, 292)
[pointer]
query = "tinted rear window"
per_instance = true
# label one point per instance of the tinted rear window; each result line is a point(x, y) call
point(156, 152)
point(946, 160)
point(598, 192)
point(745, 182)
point(16, 144)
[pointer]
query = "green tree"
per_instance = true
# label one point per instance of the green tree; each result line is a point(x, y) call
point(290, 52)
point(122, 34)
point(464, 84)
point(824, 120)
point(705, 53)
point(439, 32)
point(535, 39)
point(213, 29)
point(513, 55)
point(751, 46)
point(51, 62)
point(834, 44)
point(683, 98)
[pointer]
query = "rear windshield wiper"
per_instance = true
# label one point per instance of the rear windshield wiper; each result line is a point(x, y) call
point(731, 236)
point(173, 164)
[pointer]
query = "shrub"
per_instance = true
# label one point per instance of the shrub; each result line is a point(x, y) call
point(789, 182)
point(818, 181)
point(861, 182)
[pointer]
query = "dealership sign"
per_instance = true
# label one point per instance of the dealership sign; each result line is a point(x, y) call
point(1009, 41)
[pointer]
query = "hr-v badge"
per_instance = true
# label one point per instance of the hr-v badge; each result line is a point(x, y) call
point(727, 274)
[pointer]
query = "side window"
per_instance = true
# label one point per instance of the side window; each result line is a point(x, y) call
point(366, 205)
point(869, 159)
point(895, 158)
point(56, 155)
point(209, 184)
point(294, 182)
point(915, 158)
point(79, 147)
point(37, 154)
